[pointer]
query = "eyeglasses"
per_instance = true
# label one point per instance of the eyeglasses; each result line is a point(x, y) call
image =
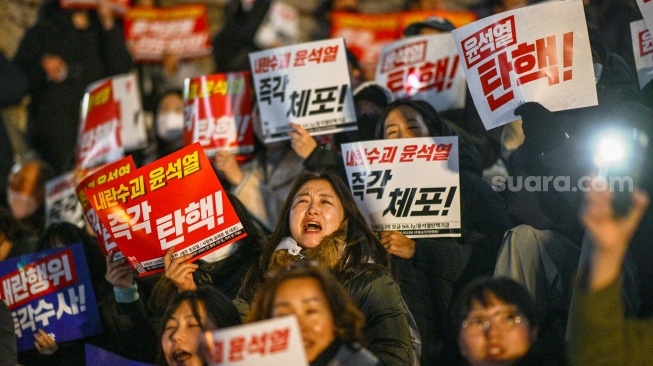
point(503, 319)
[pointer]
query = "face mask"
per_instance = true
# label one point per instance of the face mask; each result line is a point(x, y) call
point(21, 205)
point(170, 125)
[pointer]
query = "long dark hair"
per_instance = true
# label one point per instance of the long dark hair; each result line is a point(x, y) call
point(362, 245)
point(435, 124)
point(219, 309)
point(348, 320)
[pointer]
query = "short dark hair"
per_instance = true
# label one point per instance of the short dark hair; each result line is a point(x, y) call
point(347, 318)
point(505, 289)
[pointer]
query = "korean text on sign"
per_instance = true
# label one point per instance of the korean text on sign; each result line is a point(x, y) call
point(103, 175)
point(424, 68)
point(306, 84)
point(177, 200)
point(275, 341)
point(50, 290)
point(539, 53)
point(381, 177)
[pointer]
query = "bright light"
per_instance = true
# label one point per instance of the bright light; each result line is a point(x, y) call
point(611, 150)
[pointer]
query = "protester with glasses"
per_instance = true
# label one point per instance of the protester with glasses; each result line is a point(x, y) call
point(497, 325)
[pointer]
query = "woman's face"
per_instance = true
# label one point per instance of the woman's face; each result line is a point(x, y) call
point(496, 335)
point(182, 336)
point(316, 212)
point(304, 298)
point(404, 122)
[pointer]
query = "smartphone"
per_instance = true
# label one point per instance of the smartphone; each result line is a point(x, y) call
point(623, 172)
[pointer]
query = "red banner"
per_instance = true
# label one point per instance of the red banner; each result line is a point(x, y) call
point(99, 139)
point(218, 109)
point(366, 34)
point(175, 201)
point(181, 30)
point(103, 175)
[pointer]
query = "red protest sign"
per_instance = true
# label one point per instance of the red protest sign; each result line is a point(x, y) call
point(181, 30)
point(175, 201)
point(219, 110)
point(101, 176)
point(99, 139)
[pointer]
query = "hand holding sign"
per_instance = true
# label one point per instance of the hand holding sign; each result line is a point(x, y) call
point(397, 244)
point(301, 141)
point(119, 273)
point(180, 271)
point(226, 163)
point(44, 343)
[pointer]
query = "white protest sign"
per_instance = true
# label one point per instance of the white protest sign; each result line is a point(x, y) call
point(279, 28)
point(307, 84)
point(646, 8)
point(276, 341)
point(643, 51)
point(540, 53)
point(425, 68)
point(382, 177)
point(61, 204)
point(133, 132)
point(123, 93)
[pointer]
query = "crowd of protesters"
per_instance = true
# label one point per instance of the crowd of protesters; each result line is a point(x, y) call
point(537, 277)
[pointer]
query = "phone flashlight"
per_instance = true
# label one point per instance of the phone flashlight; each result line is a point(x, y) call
point(619, 155)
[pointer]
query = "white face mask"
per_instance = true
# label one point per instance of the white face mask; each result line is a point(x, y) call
point(170, 125)
point(21, 205)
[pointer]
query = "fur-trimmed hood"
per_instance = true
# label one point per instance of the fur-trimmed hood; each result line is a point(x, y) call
point(328, 254)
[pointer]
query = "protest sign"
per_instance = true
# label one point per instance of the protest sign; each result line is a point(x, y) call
point(646, 8)
point(99, 132)
point(279, 28)
point(540, 53)
point(643, 51)
point(101, 176)
point(96, 356)
point(218, 113)
point(424, 68)
point(61, 203)
point(106, 101)
point(277, 341)
point(175, 201)
point(50, 290)
point(151, 33)
point(133, 132)
point(367, 34)
point(307, 84)
point(381, 176)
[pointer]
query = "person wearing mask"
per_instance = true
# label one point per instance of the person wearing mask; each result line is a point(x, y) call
point(26, 193)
